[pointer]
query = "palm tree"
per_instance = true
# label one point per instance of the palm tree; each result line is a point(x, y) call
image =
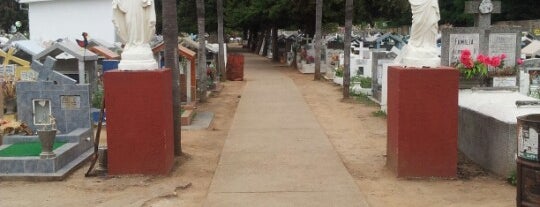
point(347, 48)
point(221, 42)
point(201, 53)
point(170, 36)
point(318, 22)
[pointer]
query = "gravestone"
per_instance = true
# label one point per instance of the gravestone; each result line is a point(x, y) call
point(481, 39)
point(52, 95)
point(482, 11)
point(68, 102)
point(379, 75)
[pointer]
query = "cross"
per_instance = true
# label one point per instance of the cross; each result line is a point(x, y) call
point(44, 70)
point(482, 10)
point(9, 57)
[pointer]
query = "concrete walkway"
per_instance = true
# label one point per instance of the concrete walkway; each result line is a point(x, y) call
point(276, 153)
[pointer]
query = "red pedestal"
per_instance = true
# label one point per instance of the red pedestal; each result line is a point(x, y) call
point(139, 122)
point(422, 122)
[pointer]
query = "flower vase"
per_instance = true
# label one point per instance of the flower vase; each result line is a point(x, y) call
point(468, 83)
point(46, 137)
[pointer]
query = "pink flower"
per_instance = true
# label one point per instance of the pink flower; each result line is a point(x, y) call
point(466, 52)
point(495, 61)
point(482, 58)
point(519, 61)
point(503, 56)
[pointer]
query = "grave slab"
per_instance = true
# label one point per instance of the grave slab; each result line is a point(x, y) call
point(487, 127)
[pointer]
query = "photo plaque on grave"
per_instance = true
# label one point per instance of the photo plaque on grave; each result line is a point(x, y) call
point(42, 111)
point(70, 102)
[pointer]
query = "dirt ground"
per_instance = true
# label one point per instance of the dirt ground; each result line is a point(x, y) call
point(357, 135)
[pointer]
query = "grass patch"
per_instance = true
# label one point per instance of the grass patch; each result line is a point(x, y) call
point(363, 99)
point(25, 149)
point(379, 113)
point(512, 178)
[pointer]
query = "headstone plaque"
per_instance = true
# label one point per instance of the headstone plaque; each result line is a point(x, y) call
point(460, 42)
point(504, 43)
point(70, 102)
point(457, 39)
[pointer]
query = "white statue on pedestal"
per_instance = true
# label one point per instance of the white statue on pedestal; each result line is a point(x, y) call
point(135, 22)
point(422, 47)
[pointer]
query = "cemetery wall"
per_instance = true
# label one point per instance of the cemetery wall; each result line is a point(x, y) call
point(51, 20)
point(533, 26)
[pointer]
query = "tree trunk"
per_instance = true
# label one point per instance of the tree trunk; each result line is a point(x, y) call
point(264, 43)
point(201, 53)
point(275, 50)
point(221, 42)
point(170, 37)
point(318, 22)
point(347, 48)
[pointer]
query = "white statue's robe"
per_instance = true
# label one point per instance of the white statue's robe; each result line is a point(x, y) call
point(422, 47)
point(425, 27)
point(135, 23)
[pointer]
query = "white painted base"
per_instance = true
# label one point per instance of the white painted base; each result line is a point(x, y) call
point(506, 81)
point(357, 89)
point(138, 58)
point(338, 80)
point(309, 68)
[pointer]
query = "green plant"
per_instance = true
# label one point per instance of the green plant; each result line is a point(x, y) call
point(379, 113)
point(365, 82)
point(97, 98)
point(338, 72)
point(512, 178)
point(363, 99)
point(479, 67)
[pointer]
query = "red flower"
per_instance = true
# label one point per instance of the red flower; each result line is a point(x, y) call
point(482, 58)
point(503, 56)
point(466, 53)
point(495, 61)
point(519, 61)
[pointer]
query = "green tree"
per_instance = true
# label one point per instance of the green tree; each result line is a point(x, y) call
point(221, 41)
point(170, 36)
point(201, 53)
point(347, 48)
point(10, 12)
point(318, 37)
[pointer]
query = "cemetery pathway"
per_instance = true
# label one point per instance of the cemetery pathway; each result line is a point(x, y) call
point(276, 153)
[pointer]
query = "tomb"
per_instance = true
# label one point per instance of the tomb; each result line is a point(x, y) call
point(487, 111)
point(59, 96)
point(73, 61)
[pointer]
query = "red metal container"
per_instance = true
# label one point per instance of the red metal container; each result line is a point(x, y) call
point(235, 67)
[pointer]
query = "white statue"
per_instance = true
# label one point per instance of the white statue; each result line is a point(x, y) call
point(135, 22)
point(422, 47)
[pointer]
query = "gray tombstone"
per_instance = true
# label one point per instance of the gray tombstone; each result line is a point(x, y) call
point(455, 40)
point(53, 94)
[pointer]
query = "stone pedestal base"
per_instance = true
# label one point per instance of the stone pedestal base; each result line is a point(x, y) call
point(137, 58)
point(422, 122)
point(139, 122)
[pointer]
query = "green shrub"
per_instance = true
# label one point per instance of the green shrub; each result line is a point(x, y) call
point(97, 98)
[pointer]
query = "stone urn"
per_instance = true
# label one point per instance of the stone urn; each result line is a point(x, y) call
point(46, 137)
